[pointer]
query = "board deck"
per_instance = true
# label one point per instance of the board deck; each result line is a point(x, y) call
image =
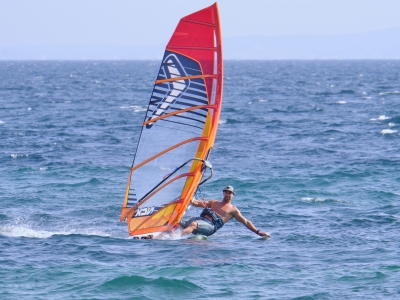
point(198, 238)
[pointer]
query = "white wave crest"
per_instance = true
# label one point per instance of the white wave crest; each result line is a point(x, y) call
point(2, 122)
point(26, 231)
point(136, 108)
point(310, 199)
point(307, 199)
point(341, 102)
point(388, 131)
point(388, 93)
point(222, 121)
point(383, 118)
point(17, 231)
point(16, 155)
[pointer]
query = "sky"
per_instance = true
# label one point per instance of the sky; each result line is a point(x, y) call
point(42, 23)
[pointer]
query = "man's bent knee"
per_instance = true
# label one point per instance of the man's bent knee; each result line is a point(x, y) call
point(193, 225)
point(189, 229)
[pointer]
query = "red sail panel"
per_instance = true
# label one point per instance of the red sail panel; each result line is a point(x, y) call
point(198, 36)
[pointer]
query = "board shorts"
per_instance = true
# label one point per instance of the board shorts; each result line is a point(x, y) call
point(204, 226)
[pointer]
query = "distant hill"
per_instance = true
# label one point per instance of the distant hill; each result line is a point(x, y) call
point(81, 52)
point(383, 44)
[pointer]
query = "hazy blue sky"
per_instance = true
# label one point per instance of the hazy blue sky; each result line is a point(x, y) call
point(146, 22)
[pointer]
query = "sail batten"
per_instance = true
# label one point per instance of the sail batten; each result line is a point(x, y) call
point(166, 150)
point(179, 110)
point(198, 22)
point(183, 78)
point(179, 127)
point(194, 48)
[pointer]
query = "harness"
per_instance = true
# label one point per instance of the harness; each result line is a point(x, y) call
point(216, 220)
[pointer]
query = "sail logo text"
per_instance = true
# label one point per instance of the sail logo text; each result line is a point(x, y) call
point(144, 211)
point(172, 68)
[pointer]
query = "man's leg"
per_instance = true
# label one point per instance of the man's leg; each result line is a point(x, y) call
point(188, 230)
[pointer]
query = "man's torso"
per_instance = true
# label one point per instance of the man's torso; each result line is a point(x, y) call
point(224, 210)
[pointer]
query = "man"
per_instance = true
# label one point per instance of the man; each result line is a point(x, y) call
point(215, 215)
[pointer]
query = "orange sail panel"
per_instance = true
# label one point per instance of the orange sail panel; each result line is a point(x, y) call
point(179, 127)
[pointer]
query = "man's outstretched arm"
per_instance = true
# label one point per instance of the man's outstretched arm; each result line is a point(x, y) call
point(238, 216)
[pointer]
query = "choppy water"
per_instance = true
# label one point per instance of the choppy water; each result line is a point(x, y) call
point(311, 147)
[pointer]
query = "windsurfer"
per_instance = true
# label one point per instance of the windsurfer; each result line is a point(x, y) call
point(215, 215)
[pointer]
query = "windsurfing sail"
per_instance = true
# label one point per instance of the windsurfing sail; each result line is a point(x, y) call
point(179, 128)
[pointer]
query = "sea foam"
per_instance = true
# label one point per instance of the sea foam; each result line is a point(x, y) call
point(136, 108)
point(383, 118)
point(388, 131)
point(13, 230)
point(388, 93)
point(17, 155)
point(18, 231)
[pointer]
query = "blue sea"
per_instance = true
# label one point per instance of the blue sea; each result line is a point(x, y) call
point(311, 148)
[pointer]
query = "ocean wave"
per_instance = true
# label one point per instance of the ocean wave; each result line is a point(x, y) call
point(18, 155)
point(388, 131)
point(395, 120)
point(317, 199)
point(93, 181)
point(323, 93)
point(232, 121)
point(389, 93)
point(381, 118)
point(18, 231)
point(12, 230)
point(135, 281)
point(347, 92)
point(135, 108)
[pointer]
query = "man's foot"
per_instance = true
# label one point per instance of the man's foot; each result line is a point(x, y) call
point(147, 237)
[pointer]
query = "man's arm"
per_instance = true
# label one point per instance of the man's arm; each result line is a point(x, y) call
point(238, 216)
point(203, 203)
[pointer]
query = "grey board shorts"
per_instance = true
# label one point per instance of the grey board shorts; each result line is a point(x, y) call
point(204, 226)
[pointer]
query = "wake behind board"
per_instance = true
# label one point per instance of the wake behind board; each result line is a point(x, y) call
point(198, 238)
